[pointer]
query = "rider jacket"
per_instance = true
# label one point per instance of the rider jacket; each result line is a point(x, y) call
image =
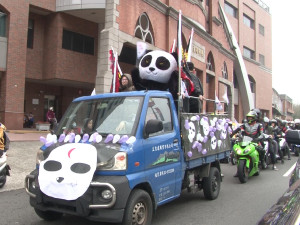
point(254, 131)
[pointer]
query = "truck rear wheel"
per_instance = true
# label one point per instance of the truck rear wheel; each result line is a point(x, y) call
point(139, 209)
point(48, 215)
point(212, 184)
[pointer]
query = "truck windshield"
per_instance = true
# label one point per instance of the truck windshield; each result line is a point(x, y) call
point(119, 115)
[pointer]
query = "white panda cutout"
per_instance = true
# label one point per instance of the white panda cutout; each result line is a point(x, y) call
point(157, 66)
point(68, 171)
point(213, 142)
point(192, 132)
point(205, 125)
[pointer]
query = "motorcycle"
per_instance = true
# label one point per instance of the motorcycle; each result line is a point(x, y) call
point(4, 169)
point(247, 158)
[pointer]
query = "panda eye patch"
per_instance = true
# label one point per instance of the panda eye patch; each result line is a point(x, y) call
point(52, 165)
point(162, 63)
point(146, 61)
point(80, 168)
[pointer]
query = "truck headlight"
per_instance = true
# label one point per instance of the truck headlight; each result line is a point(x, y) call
point(118, 162)
point(39, 157)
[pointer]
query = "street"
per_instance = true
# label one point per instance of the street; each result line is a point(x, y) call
point(237, 203)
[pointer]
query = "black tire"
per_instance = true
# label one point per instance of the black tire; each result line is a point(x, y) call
point(139, 209)
point(243, 171)
point(48, 215)
point(296, 149)
point(2, 180)
point(212, 184)
point(233, 158)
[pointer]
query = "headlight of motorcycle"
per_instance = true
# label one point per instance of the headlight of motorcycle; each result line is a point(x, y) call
point(239, 151)
point(247, 150)
point(39, 157)
point(118, 162)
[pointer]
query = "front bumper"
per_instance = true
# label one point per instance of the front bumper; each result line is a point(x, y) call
point(90, 205)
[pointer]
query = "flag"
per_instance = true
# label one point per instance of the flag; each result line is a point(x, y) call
point(116, 71)
point(93, 92)
point(173, 47)
point(141, 48)
point(219, 106)
point(225, 97)
point(189, 47)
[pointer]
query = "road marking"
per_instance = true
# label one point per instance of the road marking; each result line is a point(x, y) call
point(289, 171)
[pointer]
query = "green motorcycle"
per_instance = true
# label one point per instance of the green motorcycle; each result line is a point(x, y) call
point(247, 158)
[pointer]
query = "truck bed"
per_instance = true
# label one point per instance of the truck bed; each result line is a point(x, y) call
point(205, 138)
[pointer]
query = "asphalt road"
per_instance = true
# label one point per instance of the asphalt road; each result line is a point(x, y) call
point(237, 203)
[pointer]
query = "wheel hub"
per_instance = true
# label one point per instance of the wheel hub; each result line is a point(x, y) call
point(139, 214)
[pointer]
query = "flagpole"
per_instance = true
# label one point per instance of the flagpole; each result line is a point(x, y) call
point(179, 47)
point(115, 71)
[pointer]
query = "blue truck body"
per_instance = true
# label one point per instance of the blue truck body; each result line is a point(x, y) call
point(182, 155)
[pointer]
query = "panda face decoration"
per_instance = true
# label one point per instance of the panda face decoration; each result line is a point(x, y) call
point(68, 171)
point(157, 66)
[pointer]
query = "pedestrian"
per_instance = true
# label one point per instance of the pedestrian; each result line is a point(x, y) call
point(196, 96)
point(30, 120)
point(51, 118)
point(126, 83)
point(4, 140)
point(88, 126)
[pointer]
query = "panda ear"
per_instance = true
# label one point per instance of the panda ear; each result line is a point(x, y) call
point(175, 55)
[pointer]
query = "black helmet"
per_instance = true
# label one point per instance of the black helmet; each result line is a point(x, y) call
point(258, 112)
point(251, 116)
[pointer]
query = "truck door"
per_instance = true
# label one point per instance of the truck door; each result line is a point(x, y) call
point(162, 156)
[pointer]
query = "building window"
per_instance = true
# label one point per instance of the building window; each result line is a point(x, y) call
point(224, 71)
point(248, 53)
point(210, 65)
point(262, 59)
point(230, 9)
point(30, 33)
point(3, 19)
point(252, 83)
point(262, 30)
point(78, 42)
point(248, 21)
point(143, 29)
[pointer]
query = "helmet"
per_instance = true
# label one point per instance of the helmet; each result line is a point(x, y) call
point(251, 116)
point(258, 112)
point(297, 121)
point(266, 119)
point(244, 121)
point(274, 121)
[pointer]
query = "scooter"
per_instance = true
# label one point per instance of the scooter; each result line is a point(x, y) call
point(4, 169)
point(247, 158)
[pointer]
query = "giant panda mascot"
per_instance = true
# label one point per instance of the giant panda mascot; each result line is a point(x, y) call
point(157, 70)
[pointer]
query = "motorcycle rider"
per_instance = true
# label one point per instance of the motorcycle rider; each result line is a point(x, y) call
point(276, 131)
point(283, 129)
point(269, 131)
point(296, 124)
point(253, 130)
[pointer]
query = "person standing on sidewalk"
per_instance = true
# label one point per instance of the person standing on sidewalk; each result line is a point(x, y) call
point(51, 118)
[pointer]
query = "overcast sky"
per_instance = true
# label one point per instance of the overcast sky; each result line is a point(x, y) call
point(286, 47)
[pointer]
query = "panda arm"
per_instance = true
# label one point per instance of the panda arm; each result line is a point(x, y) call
point(173, 84)
point(136, 80)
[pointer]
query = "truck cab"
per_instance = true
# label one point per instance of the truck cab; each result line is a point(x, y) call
point(136, 155)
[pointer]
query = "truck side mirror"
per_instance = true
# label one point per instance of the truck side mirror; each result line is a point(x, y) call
point(152, 126)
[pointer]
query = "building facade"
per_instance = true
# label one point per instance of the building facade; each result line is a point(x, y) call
point(53, 51)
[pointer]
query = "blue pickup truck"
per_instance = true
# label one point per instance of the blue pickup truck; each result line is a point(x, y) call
point(136, 155)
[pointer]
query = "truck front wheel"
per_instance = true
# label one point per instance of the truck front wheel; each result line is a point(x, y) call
point(139, 209)
point(48, 215)
point(212, 184)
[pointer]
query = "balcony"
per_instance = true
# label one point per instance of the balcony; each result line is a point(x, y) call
point(3, 53)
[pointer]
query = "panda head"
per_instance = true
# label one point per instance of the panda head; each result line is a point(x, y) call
point(157, 66)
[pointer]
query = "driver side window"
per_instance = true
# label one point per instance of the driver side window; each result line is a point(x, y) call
point(159, 109)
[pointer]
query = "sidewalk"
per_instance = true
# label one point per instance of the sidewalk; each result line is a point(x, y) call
point(26, 134)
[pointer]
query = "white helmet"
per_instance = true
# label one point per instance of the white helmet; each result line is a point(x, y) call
point(297, 121)
point(266, 119)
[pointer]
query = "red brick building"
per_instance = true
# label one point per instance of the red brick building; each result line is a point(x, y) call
point(53, 51)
